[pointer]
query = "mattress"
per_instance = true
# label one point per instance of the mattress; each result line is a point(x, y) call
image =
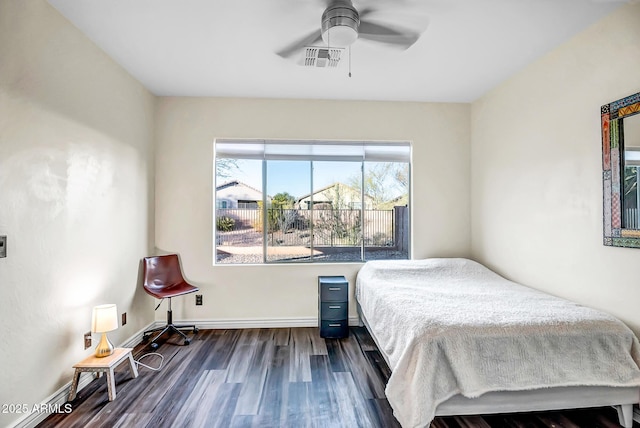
point(453, 327)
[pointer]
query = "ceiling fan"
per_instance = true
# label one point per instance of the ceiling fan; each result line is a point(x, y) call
point(342, 24)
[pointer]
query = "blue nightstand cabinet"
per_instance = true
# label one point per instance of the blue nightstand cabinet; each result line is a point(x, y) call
point(333, 306)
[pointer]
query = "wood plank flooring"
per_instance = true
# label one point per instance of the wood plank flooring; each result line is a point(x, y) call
point(271, 378)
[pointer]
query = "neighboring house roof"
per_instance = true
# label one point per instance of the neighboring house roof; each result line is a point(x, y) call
point(401, 200)
point(238, 190)
point(350, 188)
point(235, 183)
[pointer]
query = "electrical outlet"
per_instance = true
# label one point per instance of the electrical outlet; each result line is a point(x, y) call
point(87, 340)
point(3, 246)
point(198, 299)
point(124, 318)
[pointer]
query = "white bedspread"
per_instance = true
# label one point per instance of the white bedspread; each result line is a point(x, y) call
point(452, 326)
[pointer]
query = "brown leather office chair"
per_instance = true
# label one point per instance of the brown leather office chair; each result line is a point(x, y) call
point(162, 278)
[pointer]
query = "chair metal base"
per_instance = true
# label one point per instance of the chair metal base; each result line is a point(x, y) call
point(171, 329)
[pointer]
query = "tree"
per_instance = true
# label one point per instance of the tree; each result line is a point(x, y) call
point(630, 180)
point(383, 181)
point(282, 200)
point(630, 187)
point(280, 215)
point(225, 167)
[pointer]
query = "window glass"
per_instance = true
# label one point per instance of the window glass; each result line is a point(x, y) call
point(238, 222)
point(301, 202)
point(386, 221)
point(288, 228)
point(337, 226)
point(631, 198)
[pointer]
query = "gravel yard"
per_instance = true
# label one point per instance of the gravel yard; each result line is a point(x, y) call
point(328, 255)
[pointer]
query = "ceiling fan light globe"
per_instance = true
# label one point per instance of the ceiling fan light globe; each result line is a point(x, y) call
point(340, 36)
point(339, 24)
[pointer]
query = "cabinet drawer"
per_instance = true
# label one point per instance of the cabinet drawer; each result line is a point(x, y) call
point(334, 310)
point(333, 289)
point(334, 329)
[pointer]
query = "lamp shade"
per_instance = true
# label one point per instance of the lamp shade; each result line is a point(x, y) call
point(104, 318)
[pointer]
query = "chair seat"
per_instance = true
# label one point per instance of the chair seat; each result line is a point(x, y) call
point(172, 291)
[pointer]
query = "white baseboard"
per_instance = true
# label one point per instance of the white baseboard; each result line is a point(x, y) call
point(256, 323)
point(59, 398)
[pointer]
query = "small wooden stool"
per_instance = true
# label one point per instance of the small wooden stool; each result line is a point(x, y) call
point(103, 365)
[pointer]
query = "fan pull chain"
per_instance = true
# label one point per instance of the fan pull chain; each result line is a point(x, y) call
point(349, 60)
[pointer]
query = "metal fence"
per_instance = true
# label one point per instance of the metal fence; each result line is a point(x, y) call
point(631, 218)
point(317, 227)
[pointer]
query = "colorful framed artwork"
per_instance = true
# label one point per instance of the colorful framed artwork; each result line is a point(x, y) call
point(620, 124)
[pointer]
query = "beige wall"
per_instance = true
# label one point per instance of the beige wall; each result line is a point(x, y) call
point(536, 192)
point(513, 180)
point(185, 131)
point(76, 189)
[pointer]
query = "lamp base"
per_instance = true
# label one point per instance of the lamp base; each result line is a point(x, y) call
point(105, 347)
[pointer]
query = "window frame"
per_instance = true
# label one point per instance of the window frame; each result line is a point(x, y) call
point(358, 151)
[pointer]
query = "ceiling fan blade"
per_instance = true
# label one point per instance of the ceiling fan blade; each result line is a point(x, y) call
point(365, 11)
point(384, 34)
point(295, 47)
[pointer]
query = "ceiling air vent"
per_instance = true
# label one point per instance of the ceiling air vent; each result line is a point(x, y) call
point(321, 57)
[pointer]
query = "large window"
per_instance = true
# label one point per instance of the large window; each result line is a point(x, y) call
point(311, 201)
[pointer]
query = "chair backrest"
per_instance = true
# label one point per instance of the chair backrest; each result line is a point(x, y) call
point(162, 272)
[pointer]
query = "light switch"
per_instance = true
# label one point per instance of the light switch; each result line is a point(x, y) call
point(3, 246)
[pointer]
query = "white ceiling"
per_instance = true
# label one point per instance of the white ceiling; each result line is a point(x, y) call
point(226, 48)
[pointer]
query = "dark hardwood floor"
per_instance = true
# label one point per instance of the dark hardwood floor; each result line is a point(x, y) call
point(271, 378)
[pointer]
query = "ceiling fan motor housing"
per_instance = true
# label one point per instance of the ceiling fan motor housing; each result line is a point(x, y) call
point(340, 22)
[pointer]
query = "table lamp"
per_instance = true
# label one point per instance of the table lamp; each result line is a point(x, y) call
point(104, 319)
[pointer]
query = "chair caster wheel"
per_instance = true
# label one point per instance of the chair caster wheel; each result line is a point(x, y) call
point(195, 330)
point(145, 338)
point(154, 345)
point(187, 341)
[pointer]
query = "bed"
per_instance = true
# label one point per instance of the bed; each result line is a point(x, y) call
point(460, 339)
